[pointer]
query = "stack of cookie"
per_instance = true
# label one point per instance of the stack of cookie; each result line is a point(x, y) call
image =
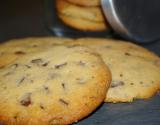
point(58, 81)
point(84, 15)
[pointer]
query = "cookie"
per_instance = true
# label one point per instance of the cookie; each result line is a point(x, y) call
point(86, 2)
point(26, 45)
point(82, 18)
point(135, 70)
point(53, 86)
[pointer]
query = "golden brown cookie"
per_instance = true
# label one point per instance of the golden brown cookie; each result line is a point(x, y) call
point(86, 2)
point(51, 85)
point(135, 70)
point(26, 45)
point(82, 18)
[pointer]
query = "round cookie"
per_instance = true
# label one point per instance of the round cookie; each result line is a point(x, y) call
point(82, 18)
point(86, 2)
point(135, 70)
point(57, 85)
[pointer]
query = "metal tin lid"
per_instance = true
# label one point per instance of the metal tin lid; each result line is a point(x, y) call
point(138, 20)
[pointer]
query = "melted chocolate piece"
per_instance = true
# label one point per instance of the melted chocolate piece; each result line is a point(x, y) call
point(36, 61)
point(63, 86)
point(26, 100)
point(116, 84)
point(19, 53)
point(60, 65)
point(45, 64)
point(63, 101)
point(127, 54)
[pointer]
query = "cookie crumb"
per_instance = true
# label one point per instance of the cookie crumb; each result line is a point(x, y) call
point(141, 82)
point(46, 89)
point(121, 75)
point(45, 64)
point(28, 66)
point(41, 107)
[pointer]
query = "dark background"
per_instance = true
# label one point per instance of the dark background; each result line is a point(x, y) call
point(22, 18)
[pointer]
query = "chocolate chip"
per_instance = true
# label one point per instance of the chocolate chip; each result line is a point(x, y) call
point(32, 81)
point(131, 83)
point(81, 63)
point(4, 87)
point(28, 66)
point(121, 75)
point(46, 89)
point(93, 77)
point(45, 64)
point(141, 82)
point(19, 53)
point(63, 86)
point(63, 101)
point(26, 100)
point(36, 61)
point(21, 81)
point(15, 117)
point(116, 84)
point(60, 65)
point(41, 107)
point(127, 54)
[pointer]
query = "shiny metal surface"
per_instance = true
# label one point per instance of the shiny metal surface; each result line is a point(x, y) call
point(138, 20)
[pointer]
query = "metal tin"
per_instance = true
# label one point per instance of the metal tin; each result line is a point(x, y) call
point(138, 20)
